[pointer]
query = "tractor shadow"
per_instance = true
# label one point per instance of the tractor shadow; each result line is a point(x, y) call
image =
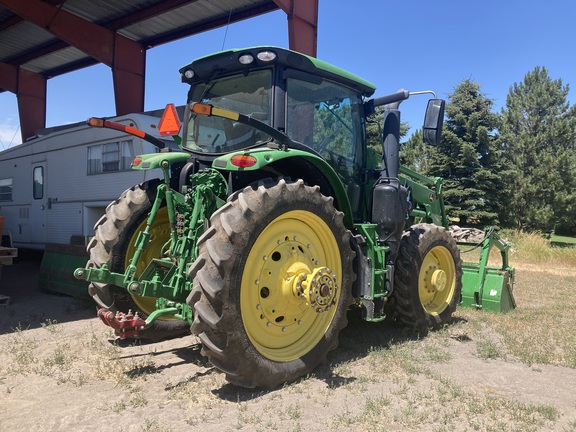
point(166, 354)
point(360, 337)
point(357, 340)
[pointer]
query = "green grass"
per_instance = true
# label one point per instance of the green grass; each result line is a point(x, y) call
point(487, 349)
point(562, 240)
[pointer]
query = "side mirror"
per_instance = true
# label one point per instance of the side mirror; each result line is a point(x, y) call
point(433, 121)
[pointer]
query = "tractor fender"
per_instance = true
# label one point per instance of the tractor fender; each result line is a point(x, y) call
point(154, 160)
point(258, 159)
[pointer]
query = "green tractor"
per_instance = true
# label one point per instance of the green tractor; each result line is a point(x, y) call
point(276, 218)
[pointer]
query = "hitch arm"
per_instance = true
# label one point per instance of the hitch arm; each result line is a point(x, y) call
point(130, 325)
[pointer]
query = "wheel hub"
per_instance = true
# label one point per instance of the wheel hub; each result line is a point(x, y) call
point(439, 280)
point(435, 280)
point(319, 288)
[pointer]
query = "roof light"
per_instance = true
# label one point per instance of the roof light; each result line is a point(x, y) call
point(189, 73)
point(246, 59)
point(266, 56)
point(243, 161)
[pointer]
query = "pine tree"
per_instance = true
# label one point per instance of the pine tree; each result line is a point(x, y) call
point(414, 153)
point(469, 157)
point(539, 132)
point(374, 129)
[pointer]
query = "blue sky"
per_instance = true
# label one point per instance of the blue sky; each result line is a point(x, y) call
point(411, 44)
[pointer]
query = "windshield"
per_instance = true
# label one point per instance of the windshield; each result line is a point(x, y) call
point(247, 94)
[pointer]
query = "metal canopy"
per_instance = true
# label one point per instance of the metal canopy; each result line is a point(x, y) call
point(41, 39)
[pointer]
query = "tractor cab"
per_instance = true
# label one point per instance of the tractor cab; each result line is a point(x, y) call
point(318, 106)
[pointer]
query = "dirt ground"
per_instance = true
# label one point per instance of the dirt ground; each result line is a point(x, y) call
point(61, 371)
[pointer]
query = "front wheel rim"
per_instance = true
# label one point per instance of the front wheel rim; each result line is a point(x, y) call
point(437, 280)
point(281, 320)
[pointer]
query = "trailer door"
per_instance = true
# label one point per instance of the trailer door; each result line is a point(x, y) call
point(38, 206)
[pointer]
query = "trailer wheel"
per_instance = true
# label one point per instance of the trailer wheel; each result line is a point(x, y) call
point(428, 277)
point(272, 283)
point(114, 244)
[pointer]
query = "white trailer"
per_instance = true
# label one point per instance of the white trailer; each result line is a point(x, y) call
point(55, 187)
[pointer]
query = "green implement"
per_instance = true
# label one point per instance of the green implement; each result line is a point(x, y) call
point(484, 286)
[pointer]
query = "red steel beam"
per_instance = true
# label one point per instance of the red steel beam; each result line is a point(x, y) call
point(142, 15)
point(90, 38)
point(114, 26)
point(128, 75)
point(8, 77)
point(31, 90)
point(10, 22)
point(15, 20)
point(302, 24)
point(31, 102)
point(126, 57)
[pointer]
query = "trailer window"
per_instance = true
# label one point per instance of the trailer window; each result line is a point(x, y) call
point(6, 189)
point(38, 182)
point(110, 157)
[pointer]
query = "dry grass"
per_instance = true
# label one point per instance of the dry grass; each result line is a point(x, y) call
point(534, 250)
point(539, 331)
point(529, 251)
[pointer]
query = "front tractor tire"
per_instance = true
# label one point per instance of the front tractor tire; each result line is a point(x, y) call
point(272, 283)
point(428, 277)
point(113, 244)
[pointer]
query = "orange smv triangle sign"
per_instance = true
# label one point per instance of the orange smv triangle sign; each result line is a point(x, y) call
point(170, 122)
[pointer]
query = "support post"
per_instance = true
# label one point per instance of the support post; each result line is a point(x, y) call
point(30, 90)
point(302, 24)
point(31, 94)
point(128, 73)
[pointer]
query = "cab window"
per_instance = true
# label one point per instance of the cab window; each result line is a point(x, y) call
point(325, 117)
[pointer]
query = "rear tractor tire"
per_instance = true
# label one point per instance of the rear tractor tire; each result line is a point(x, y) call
point(428, 277)
point(272, 283)
point(114, 244)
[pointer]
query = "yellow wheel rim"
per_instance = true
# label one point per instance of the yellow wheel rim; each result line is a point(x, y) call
point(437, 280)
point(294, 249)
point(159, 235)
